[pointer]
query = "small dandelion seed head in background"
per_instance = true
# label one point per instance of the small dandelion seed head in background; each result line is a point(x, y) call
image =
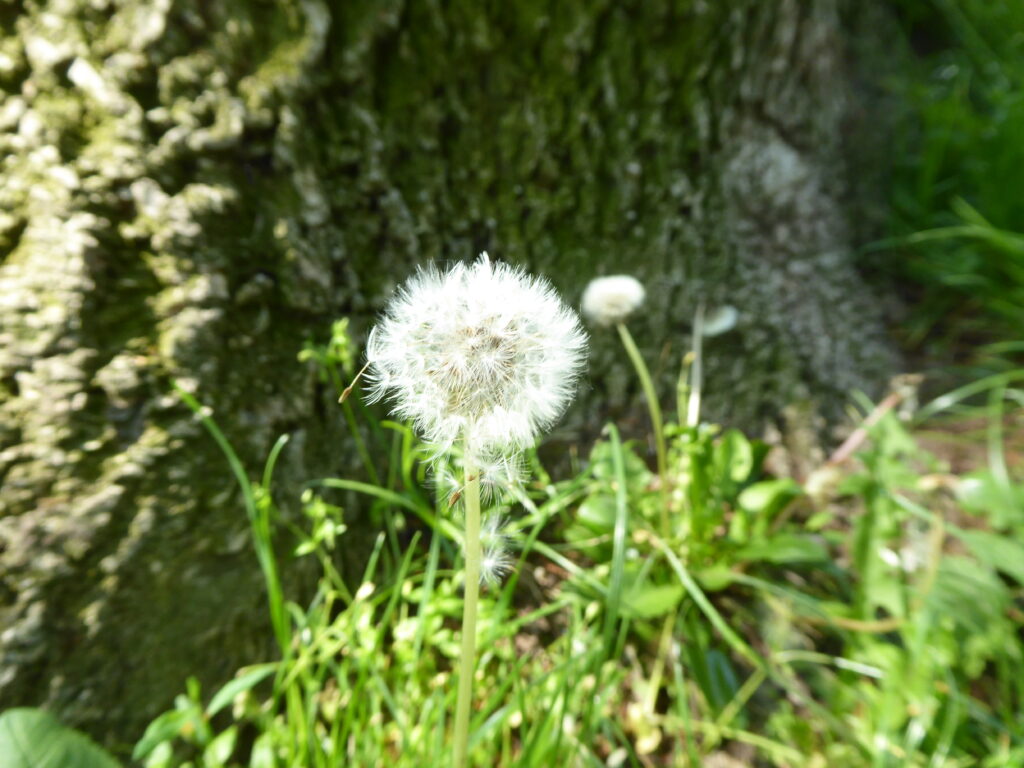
point(610, 300)
point(482, 352)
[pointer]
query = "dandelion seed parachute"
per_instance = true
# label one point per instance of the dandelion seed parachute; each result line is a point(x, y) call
point(496, 561)
point(610, 300)
point(482, 353)
point(497, 473)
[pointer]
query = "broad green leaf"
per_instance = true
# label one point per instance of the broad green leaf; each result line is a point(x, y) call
point(161, 757)
point(711, 670)
point(32, 738)
point(166, 727)
point(734, 456)
point(219, 750)
point(597, 512)
point(648, 601)
point(240, 684)
point(740, 527)
point(982, 493)
point(819, 520)
point(722, 678)
point(769, 496)
point(974, 600)
point(638, 476)
point(584, 537)
point(715, 577)
point(786, 548)
point(1000, 552)
point(263, 752)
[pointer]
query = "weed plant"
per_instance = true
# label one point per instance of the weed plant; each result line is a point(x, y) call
point(871, 616)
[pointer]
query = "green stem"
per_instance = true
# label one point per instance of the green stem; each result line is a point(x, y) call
point(656, 423)
point(467, 660)
point(664, 649)
point(697, 371)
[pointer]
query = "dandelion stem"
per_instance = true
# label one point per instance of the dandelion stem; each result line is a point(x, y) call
point(655, 410)
point(697, 371)
point(467, 660)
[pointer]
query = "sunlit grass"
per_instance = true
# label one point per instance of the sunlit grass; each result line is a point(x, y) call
point(877, 623)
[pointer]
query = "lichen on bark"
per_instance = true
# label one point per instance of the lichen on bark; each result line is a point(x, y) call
point(191, 190)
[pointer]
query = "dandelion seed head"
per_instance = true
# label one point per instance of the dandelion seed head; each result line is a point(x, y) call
point(497, 473)
point(492, 533)
point(610, 300)
point(481, 352)
point(495, 561)
point(495, 565)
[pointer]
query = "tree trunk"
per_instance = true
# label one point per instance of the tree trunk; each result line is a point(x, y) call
point(191, 190)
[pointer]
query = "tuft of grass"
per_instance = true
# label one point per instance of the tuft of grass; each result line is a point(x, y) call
point(869, 616)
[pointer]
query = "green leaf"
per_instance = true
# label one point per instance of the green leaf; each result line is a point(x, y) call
point(583, 537)
point(786, 548)
point(769, 496)
point(1000, 552)
point(166, 727)
point(161, 757)
point(722, 681)
point(974, 600)
point(734, 456)
point(263, 752)
point(711, 670)
point(240, 684)
point(597, 512)
point(32, 738)
point(648, 601)
point(715, 577)
point(638, 476)
point(982, 493)
point(220, 749)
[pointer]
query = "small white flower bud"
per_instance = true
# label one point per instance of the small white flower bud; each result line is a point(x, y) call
point(610, 300)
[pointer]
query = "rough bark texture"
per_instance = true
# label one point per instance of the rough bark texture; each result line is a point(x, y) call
point(193, 189)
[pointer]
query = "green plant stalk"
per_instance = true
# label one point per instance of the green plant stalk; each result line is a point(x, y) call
point(467, 660)
point(656, 422)
point(257, 509)
point(615, 582)
point(697, 370)
point(364, 454)
point(664, 649)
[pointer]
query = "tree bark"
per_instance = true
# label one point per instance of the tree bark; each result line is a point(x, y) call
point(191, 190)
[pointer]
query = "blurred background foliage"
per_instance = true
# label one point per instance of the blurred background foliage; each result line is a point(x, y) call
point(957, 189)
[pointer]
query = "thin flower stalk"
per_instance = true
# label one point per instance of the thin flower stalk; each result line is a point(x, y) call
point(651, 396)
point(697, 370)
point(467, 657)
point(609, 301)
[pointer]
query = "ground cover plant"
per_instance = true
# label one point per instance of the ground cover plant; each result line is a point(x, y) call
point(868, 616)
point(870, 613)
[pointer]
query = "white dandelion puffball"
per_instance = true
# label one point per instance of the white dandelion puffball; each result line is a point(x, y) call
point(610, 300)
point(483, 353)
